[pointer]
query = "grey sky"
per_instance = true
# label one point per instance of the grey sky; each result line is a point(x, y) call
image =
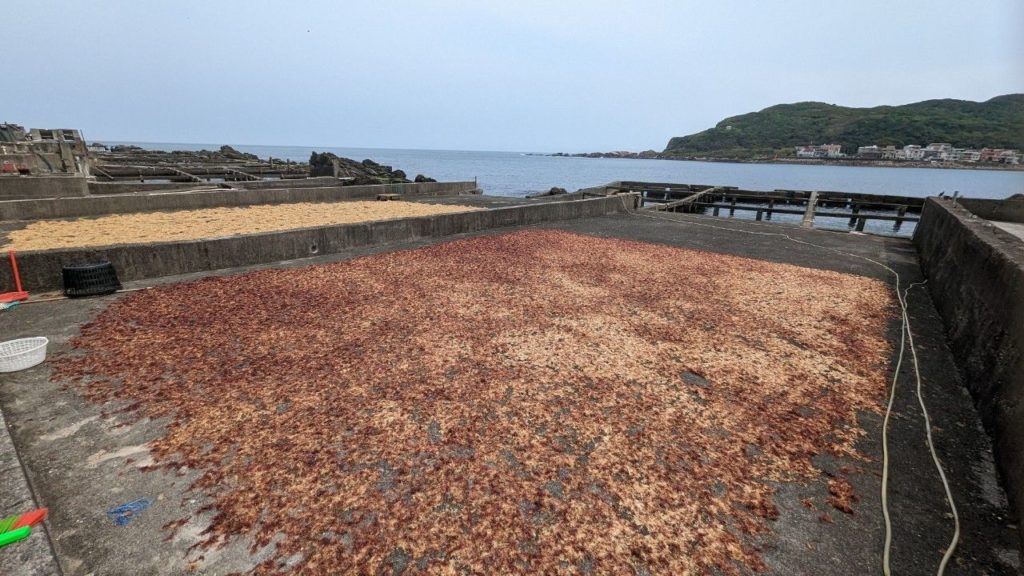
point(509, 75)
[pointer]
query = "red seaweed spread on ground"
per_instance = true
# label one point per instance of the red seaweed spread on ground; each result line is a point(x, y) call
point(535, 401)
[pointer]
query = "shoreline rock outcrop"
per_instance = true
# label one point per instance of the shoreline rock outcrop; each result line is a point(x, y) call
point(365, 172)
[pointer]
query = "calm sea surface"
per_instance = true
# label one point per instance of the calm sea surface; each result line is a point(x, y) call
point(516, 174)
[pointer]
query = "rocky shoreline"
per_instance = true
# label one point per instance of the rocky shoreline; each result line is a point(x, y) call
point(133, 162)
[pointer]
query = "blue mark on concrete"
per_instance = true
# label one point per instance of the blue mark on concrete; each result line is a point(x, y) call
point(124, 513)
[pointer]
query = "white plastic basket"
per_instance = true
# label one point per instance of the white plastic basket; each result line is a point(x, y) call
point(22, 353)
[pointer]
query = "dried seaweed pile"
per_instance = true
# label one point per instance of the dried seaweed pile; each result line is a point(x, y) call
point(210, 223)
point(537, 401)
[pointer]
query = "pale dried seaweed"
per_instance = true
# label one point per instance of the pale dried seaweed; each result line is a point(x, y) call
point(180, 225)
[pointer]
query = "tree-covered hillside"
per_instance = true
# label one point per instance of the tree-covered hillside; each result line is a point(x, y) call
point(996, 123)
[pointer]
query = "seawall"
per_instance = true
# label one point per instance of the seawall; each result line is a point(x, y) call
point(975, 275)
point(209, 198)
point(1009, 210)
point(33, 187)
point(101, 188)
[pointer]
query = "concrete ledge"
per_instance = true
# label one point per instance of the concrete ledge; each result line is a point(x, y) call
point(41, 269)
point(34, 556)
point(102, 188)
point(42, 187)
point(1008, 210)
point(209, 198)
point(105, 188)
point(313, 182)
point(976, 277)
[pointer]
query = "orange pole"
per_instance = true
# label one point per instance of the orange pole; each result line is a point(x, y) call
point(14, 270)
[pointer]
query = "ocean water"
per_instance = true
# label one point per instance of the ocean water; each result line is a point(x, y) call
point(518, 174)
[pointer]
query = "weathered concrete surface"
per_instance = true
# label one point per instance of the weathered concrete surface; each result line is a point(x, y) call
point(314, 182)
point(32, 555)
point(28, 187)
point(107, 188)
point(975, 274)
point(1011, 227)
point(82, 463)
point(101, 188)
point(41, 269)
point(1009, 210)
point(484, 201)
point(199, 196)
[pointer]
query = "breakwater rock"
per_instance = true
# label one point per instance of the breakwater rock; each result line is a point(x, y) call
point(365, 172)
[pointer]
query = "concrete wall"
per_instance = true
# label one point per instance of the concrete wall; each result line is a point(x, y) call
point(41, 270)
point(101, 188)
point(187, 200)
point(286, 183)
point(1009, 210)
point(20, 187)
point(976, 277)
point(104, 188)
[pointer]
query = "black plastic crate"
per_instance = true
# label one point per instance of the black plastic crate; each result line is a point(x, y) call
point(94, 279)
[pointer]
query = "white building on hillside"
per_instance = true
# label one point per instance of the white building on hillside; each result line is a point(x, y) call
point(823, 151)
point(938, 151)
point(912, 152)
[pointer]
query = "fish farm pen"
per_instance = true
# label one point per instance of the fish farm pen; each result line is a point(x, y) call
point(880, 214)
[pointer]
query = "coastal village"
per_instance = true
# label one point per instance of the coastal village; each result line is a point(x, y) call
point(937, 152)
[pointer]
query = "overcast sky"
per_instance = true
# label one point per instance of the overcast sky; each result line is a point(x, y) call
point(520, 75)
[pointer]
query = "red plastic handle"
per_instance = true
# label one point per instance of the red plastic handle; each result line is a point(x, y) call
point(14, 271)
point(30, 518)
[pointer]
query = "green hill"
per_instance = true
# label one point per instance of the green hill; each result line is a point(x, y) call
point(996, 123)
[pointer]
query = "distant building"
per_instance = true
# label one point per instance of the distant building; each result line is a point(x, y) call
point(940, 151)
point(872, 152)
point(10, 133)
point(833, 150)
point(999, 156)
point(823, 151)
point(42, 151)
point(912, 152)
point(970, 155)
point(989, 154)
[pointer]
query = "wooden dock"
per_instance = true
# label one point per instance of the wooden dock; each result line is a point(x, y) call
point(854, 207)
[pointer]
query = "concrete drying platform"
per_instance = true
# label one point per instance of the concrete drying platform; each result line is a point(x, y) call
point(83, 459)
point(41, 269)
point(205, 223)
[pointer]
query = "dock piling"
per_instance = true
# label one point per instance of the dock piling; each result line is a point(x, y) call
point(812, 203)
point(901, 211)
